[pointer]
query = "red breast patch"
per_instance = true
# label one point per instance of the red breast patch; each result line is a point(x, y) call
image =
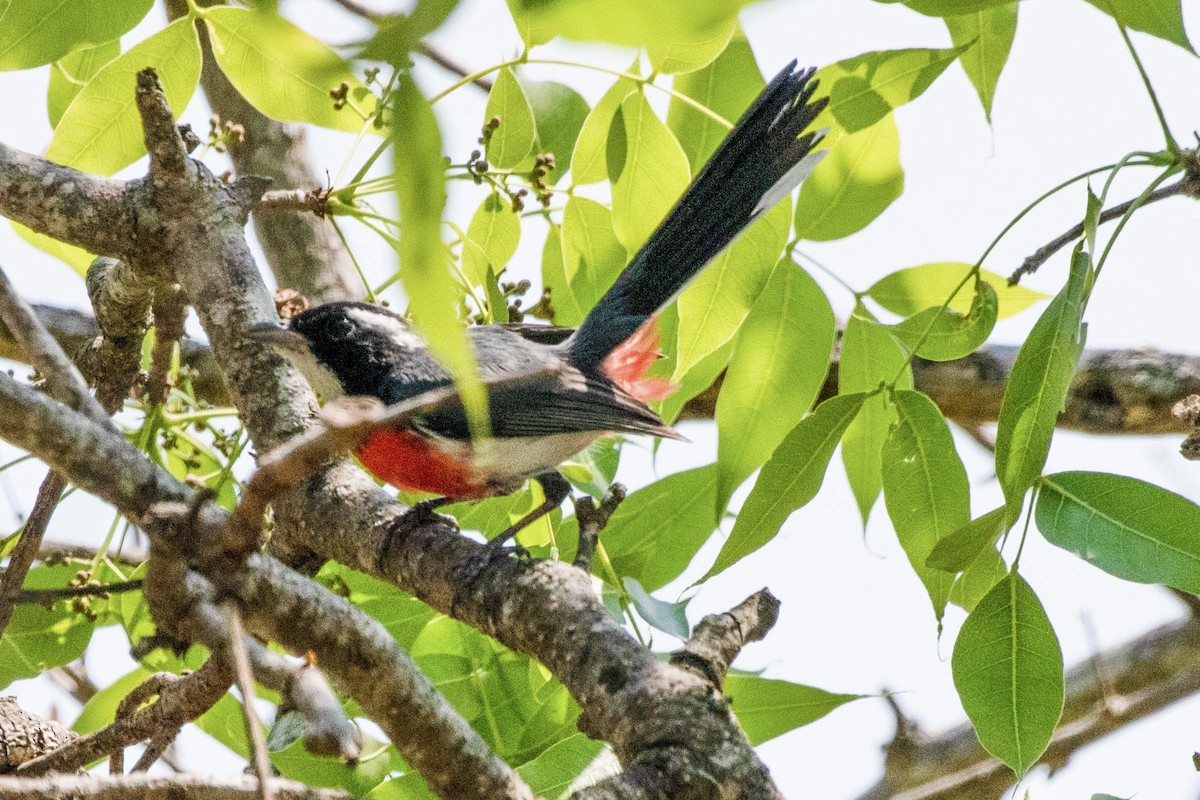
point(409, 461)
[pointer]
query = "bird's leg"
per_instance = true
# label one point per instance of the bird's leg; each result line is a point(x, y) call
point(556, 488)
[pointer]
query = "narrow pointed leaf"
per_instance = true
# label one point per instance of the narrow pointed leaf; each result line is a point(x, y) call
point(654, 173)
point(1008, 670)
point(284, 72)
point(853, 185)
point(513, 140)
point(780, 360)
point(1126, 527)
point(789, 480)
point(767, 708)
point(100, 131)
point(1037, 387)
point(925, 487)
point(913, 289)
point(988, 34)
point(667, 617)
point(870, 356)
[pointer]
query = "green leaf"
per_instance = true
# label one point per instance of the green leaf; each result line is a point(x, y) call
point(914, 289)
point(697, 380)
point(283, 72)
point(654, 534)
point(511, 142)
point(727, 86)
point(713, 308)
point(424, 267)
point(71, 73)
point(692, 51)
point(100, 132)
point(101, 709)
point(943, 334)
point(790, 479)
point(853, 185)
point(628, 22)
point(400, 613)
point(868, 87)
point(977, 579)
point(988, 34)
point(551, 773)
point(492, 239)
point(589, 163)
point(870, 356)
point(925, 487)
point(1126, 527)
point(780, 360)
point(378, 762)
point(1008, 670)
point(1161, 18)
point(559, 112)
point(956, 552)
point(399, 34)
point(1037, 387)
point(669, 618)
point(653, 176)
point(768, 708)
point(38, 638)
point(36, 32)
point(592, 257)
point(226, 723)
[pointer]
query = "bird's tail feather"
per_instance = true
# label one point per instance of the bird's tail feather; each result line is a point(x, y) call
point(759, 163)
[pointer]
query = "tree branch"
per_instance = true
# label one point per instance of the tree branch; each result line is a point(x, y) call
point(154, 787)
point(66, 204)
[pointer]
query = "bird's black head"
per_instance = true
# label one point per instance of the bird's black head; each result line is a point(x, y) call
point(344, 347)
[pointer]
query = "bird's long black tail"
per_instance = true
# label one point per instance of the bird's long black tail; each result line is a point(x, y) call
point(759, 163)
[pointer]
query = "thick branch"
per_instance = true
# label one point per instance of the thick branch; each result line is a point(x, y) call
point(155, 787)
point(718, 638)
point(66, 204)
point(24, 737)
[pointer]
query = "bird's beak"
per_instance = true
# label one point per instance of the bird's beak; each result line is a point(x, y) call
point(278, 334)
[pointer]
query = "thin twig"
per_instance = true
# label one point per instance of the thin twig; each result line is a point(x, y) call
point(27, 548)
point(43, 596)
point(245, 682)
point(450, 65)
point(592, 520)
point(1043, 253)
point(718, 638)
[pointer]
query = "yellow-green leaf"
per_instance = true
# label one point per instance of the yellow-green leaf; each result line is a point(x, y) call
point(988, 35)
point(71, 73)
point(492, 239)
point(36, 32)
point(909, 291)
point(589, 161)
point(513, 139)
point(943, 334)
point(853, 185)
point(780, 360)
point(592, 257)
point(284, 72)
point(100, 132)
point(654, 174)
point(693, 50)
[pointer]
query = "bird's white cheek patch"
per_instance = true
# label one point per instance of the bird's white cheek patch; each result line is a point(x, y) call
point(401, 335)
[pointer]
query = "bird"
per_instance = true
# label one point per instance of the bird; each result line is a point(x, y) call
point(581, 385)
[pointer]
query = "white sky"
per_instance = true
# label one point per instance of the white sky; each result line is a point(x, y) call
point(854, 617)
